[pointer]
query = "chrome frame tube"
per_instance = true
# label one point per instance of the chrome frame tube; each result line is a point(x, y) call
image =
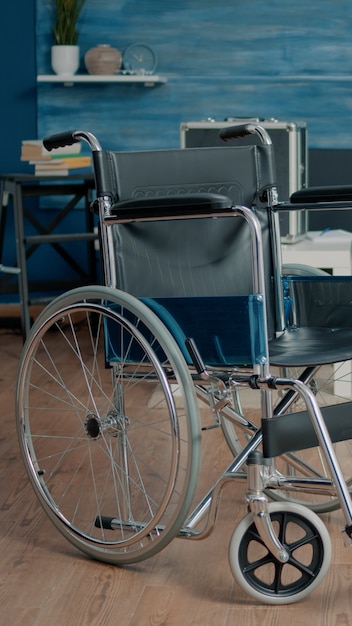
point(91, 140)
point(227, 411)
point(258, 504)
point(209, 504)
point(325, 443)
point(277, 268)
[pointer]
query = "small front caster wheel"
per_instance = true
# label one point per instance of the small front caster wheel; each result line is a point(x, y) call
point(262, 575)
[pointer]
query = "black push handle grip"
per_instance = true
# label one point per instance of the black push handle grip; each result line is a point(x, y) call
point(60, 140)
point(70, 137)
point(243, 130)
point(235, 132)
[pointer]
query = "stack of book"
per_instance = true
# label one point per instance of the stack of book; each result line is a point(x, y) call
point(60, 162)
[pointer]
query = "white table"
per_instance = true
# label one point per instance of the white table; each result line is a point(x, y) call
point(330, 250)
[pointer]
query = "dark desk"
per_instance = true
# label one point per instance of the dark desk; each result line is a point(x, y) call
point(73, 189)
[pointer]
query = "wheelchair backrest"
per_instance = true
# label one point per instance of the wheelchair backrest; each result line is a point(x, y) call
point(209, 257)
point(320, 301)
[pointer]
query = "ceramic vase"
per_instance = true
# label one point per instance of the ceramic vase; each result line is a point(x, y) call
point(103, 59)
point(65, 60)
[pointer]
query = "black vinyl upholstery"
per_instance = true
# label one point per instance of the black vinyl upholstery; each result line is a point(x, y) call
point(189, 258)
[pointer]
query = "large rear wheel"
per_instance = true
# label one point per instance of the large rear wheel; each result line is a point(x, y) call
point(108, 424)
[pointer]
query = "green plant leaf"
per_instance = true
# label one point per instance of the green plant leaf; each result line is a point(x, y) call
point(65, 29)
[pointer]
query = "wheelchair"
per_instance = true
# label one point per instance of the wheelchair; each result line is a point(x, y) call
point(194, 311)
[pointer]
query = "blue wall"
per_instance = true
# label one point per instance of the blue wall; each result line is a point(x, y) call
point(18, 96)
point(265, 58)
point(273, 58)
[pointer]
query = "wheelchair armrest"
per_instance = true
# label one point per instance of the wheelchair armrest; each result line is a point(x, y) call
point(319, 199)
point(340, 193)
point(173, 206)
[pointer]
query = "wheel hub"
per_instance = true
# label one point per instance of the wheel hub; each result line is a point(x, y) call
point(95, 426)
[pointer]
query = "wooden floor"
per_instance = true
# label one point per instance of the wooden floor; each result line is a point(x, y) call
point(45, 581)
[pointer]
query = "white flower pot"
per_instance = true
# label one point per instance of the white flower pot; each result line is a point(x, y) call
point(65, 60)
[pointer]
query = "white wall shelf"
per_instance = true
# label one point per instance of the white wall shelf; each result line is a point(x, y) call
point(148, 80)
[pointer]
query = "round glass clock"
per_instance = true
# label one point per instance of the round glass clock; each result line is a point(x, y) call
point(139, 59)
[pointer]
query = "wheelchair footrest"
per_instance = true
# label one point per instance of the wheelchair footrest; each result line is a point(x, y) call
point(292, 432)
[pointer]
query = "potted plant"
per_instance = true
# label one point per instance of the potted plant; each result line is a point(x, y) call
point(65, 52)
